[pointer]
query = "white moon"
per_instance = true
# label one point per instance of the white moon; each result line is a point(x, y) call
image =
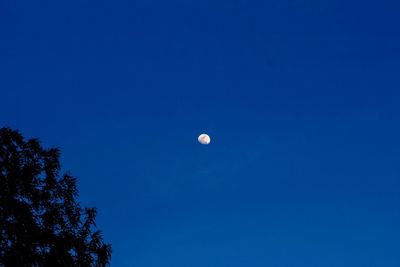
point(204, 139)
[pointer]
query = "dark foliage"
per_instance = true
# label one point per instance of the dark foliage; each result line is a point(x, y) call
point(41, 222)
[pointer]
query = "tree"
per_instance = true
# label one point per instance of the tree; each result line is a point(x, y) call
point(41, 222)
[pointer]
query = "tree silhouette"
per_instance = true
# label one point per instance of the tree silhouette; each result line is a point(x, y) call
point(41, 222)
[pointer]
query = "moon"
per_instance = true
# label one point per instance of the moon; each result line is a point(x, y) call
point(204, 139)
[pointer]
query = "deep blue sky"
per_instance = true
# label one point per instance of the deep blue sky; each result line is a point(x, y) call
point(301, 99)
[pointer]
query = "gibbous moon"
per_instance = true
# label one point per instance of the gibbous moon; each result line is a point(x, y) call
point(204, 139)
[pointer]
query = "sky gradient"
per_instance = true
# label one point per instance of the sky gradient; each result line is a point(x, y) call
point(300, 98)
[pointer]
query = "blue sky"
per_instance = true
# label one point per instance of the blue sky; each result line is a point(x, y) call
point(301, 99)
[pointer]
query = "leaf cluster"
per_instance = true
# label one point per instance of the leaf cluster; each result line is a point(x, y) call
point(41, 221)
